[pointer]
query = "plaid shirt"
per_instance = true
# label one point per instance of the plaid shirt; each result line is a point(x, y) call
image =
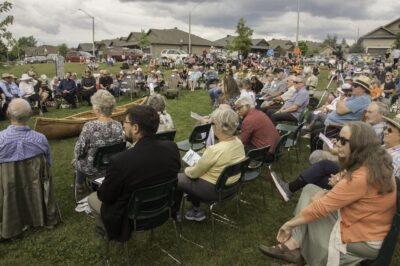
point(18, 143)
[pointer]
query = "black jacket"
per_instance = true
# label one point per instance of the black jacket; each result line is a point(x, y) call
point(149, 162)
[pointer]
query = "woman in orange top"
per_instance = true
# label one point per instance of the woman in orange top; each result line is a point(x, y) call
point(347, 224)
point(376, 90)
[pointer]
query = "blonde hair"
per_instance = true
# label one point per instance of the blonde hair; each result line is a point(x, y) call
point(225, 119)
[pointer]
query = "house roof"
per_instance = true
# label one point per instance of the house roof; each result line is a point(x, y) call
point(375, 34)
point(256, 43)
point(41, 50)
point(175, 36)
point(133, 36)
point(86, 47)
point(285, 44)
point(224, 41)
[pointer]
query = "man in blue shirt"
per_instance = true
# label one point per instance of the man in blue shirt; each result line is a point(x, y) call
point(18, 142)
point(293, 107)
point(9, 88)
point(68, 89)
point(350, 109)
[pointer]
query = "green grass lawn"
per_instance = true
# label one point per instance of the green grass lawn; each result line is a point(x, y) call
point(74, 241)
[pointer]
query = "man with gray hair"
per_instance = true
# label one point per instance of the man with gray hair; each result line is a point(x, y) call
point(257, 129)
point(18, 142)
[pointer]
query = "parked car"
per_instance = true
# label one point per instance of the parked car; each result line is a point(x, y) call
point(120, 55)
point(76, 57)
point(35, 59)
point(52, 57)
point(174, 54)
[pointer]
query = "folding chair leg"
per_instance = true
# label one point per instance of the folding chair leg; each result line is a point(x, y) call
point(297, 154)
point(212, 225)
point(126, 252)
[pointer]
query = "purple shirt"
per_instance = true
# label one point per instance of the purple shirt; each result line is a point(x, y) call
point(18, 143)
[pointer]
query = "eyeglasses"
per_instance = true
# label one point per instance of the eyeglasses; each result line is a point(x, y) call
point(388, 129)
point(342, 140)
point(127, 122)
point(297, 82)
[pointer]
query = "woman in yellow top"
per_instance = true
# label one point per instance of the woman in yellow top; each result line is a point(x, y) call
point(199, 181)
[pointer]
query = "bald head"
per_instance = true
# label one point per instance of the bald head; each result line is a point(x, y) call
point(19, 111)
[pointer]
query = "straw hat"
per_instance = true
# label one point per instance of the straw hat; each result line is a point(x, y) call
point(43, 78)
point(393, 121)
point(364, 82)
point(6, 75)
point(25, 77)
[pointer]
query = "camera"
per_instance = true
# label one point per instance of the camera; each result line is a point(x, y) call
point(339, 52)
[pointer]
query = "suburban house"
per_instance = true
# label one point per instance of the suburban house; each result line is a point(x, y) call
point(381, 38)
point(175, 39)
point(281, 47)
point(88, 47)
point(327, 51)
point(43, 50)
point(258, 45)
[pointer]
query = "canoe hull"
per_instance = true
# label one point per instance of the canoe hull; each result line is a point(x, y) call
point(71, 126)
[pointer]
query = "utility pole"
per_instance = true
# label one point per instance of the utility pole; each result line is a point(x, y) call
point(92, 17)
point(298, 23)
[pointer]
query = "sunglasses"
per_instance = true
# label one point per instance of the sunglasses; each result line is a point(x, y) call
point(297, 82)
point(342, 140)
point(388, 129)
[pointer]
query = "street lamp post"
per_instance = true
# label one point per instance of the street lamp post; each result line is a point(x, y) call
point(298, 23)
point(190, 28)
point(92, 17)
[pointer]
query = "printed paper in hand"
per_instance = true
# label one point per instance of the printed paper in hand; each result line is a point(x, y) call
point(191, 157)
point(326, 140)
point(196, 116)
point(99, 180)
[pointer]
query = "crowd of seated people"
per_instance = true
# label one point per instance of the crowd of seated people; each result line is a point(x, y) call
point(248, 104)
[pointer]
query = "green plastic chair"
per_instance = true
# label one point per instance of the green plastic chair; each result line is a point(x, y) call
point(151, 207)
point(294, 141)
point(258, 157)
point(100, 162)
point(197, 138)
point(166, 135)
point(225, 193)
point(389, 243)
point(279, 149)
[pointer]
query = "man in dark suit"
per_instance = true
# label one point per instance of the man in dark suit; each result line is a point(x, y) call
point(149, 162)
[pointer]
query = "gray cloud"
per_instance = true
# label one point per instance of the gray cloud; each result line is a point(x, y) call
point(56, 21)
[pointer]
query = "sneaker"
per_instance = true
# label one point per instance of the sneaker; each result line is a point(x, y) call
point(282, 186)
point(195, 215)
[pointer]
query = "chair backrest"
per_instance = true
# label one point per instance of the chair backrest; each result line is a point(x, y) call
point(257, 157)
point(103, 154)
point(296, 133)
point(166, 135)
point(199, 133)
point(152, 204)
point(29, 184)
point(280, 145)
point(237, 168)
point(302, 115)
point(389, 243)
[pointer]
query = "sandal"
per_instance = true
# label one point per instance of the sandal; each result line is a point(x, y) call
point(282, 252)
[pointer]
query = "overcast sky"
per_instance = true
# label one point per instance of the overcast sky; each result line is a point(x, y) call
point(55, 21)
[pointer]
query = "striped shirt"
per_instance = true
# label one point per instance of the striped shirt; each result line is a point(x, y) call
point(18, 143)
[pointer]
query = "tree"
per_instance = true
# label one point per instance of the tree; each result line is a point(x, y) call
point(330, 40)
point(5, 35)
point(143, 40)
point(344, 43)
point(63, 49)
point(357, 48)
point(303, 47)
point(19, 46)
point(242, 42)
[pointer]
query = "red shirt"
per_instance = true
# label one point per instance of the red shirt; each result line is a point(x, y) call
point(258, 130)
